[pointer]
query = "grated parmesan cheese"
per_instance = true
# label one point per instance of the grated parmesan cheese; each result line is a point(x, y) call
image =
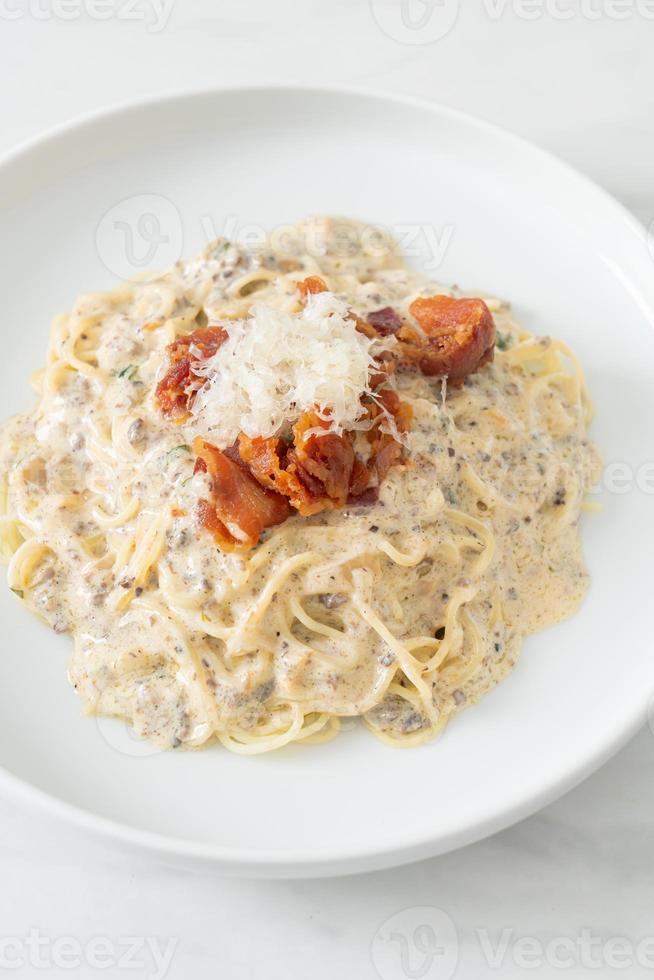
point(276, 365)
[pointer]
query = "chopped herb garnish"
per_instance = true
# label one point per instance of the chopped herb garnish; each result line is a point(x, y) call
point(128, 372)
point(502, 341)
point(179, 449)
point(220, 248)
point(451, 499)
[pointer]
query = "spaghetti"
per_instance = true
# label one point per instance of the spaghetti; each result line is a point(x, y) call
point(401, 610)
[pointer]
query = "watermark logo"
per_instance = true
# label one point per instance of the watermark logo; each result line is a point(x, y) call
point(155, 14)
point(140, 237)
point(415, 21)
point(564, 10)
point(620, 478)
point(122, 738)
point(587, 951)
point(425, 244)
point(426, 21)
point(419, 943)
point(148, 954)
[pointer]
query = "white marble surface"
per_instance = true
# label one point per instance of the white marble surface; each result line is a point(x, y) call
point(567, 892)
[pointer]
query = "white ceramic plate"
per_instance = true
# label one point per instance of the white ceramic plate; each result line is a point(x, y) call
point(515, 222)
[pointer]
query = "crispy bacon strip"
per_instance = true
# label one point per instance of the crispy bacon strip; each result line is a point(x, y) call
point(327, 458)
point(267, 460)
point(175, 391)
point(385, 450)
point(458, 336)
point(385, 321)
point(321, 471)
point(240, 508)
point(310, 286)
point(255, 482)
point(316, 472)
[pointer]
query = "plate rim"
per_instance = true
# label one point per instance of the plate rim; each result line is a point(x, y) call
point(267, 862)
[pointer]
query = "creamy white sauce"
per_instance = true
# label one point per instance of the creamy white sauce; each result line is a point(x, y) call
point(403, 611)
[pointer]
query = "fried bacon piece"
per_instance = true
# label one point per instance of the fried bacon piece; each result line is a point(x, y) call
point(240, 508)
point(175, 391)
point(386, 364)
point(267, 460)
point(458, 336)
point(323, 456)
point(363, 326)
point(385, 450)
point(360, 489)
point(386, 321)
point(256, 482)
point(310, 286)
point(316, 471)
point(319, 470)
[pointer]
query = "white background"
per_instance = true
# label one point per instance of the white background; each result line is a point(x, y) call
point(576, 77)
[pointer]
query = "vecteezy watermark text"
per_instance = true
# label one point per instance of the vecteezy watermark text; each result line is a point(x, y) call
point(570, 9)
point(427, 21)
point(420, 241)
point(142, 235)
point(151, 955)
point(422, 943)
point(586, 949)
point(415, 21)
point(155, 14)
